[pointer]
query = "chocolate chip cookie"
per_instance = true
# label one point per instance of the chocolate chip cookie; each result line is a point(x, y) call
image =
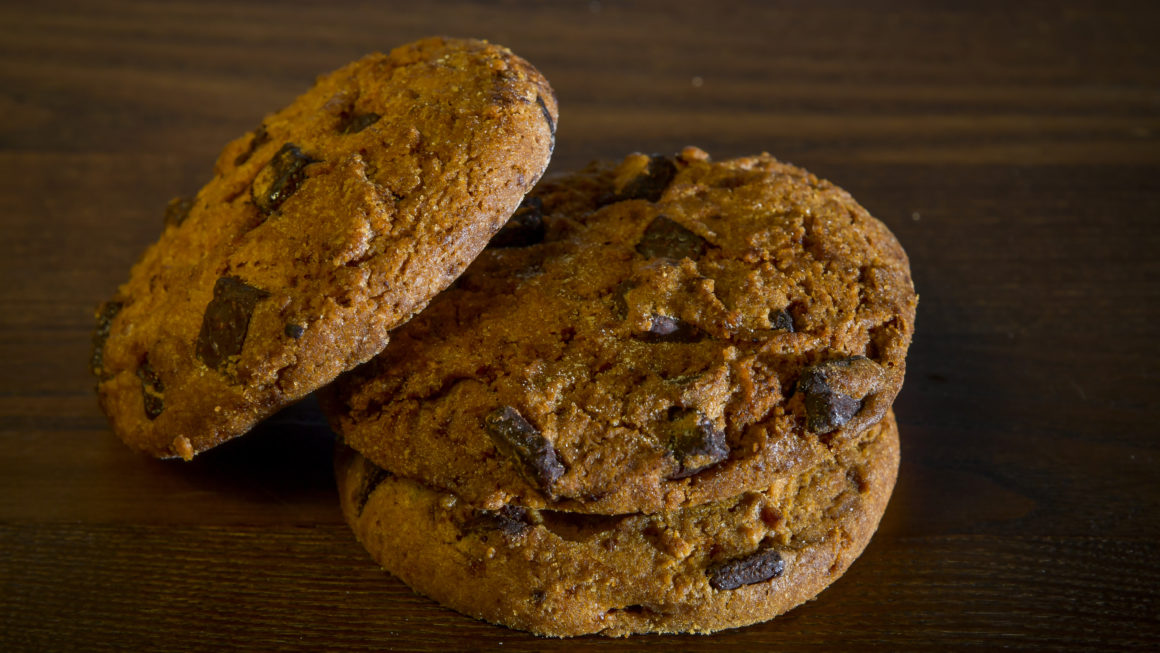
point(322, 230)
point(723, 564)
point(642, 337)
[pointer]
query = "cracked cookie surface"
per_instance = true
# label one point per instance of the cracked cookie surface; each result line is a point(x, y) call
point(332, 223)
point(723, 564)
point(646, 336)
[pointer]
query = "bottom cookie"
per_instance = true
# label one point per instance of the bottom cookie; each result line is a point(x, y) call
point(720, 565)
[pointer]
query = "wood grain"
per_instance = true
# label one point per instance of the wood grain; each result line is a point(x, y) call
point(1013, 149)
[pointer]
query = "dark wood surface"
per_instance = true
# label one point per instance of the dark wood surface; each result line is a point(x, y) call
point(1013, 149)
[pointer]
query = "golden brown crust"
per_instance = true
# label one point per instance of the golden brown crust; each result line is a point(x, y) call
point(565, 574)
point(685, 331)
point(333, 223)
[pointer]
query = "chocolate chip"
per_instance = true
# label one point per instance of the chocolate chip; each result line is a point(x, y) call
point(515, 436)
point(260, 138)
point(294, 331)
point(373, 476)
point(547, 115)
point(509, 520)
point(826, 407)
point(226, 320)
point(696, 442)
point(177, 210)
point(105, 315)
point(619, 301)
point(665, 328)
point(762, 565)
point(664, 238)
point(524, 228)
point(152, 390)
point(651, 184)
point(353, 123)
point(827, 411)
point(781, 320)
point(279, 178)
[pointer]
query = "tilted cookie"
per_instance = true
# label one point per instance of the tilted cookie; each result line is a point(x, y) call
point(728, 563)
point(659, 334)
point(328, 226)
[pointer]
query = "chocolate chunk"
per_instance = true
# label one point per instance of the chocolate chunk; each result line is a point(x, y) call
point(372, 478)
point(226, 320)
point(178, 210)
point(515, 436)
point(509, 520)
point(619, 301)
point(260, 138)
point(827, 411)
point(762, 565)
point(294, 331)
point(351, 123)
point(664, 238)
point(827, 408)
point(547, 115)
point(781, 320)
point(105, 315)
point(524, 228)
point(665, 328)
point(651, 184)
point(696, 442)
point(152, 389)
point(278, 180)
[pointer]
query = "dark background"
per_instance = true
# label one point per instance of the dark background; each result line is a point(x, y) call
point(1013, 149)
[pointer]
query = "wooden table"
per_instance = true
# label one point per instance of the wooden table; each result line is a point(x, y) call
point(1014, 151)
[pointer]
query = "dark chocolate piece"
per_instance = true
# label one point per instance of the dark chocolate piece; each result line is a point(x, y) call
point(226, 320)
point(373, 477)
point(547, 115)
point(619, 301)
point(696, 442)
point(665, 328)
point(152, 389)
point(664, 238)
point(826, 411)
point(278, 180)
point(652, 183)
point(826, 408)
point(353, 123)
point(524, 228)
point(260, 138)
point(509, 520)
point(105, 315)
point(515, 436)
point(759, 566)
point(177, 210)
point(294, 331)
point(781, 320)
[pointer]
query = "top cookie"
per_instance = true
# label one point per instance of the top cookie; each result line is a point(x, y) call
point(656, 335)
point(329, 225)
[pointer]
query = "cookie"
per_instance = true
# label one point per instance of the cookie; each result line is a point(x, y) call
point(322, 230)
point(723, 564)
point(658, 334)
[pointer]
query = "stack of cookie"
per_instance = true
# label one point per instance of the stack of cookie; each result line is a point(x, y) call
point(659, 400)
